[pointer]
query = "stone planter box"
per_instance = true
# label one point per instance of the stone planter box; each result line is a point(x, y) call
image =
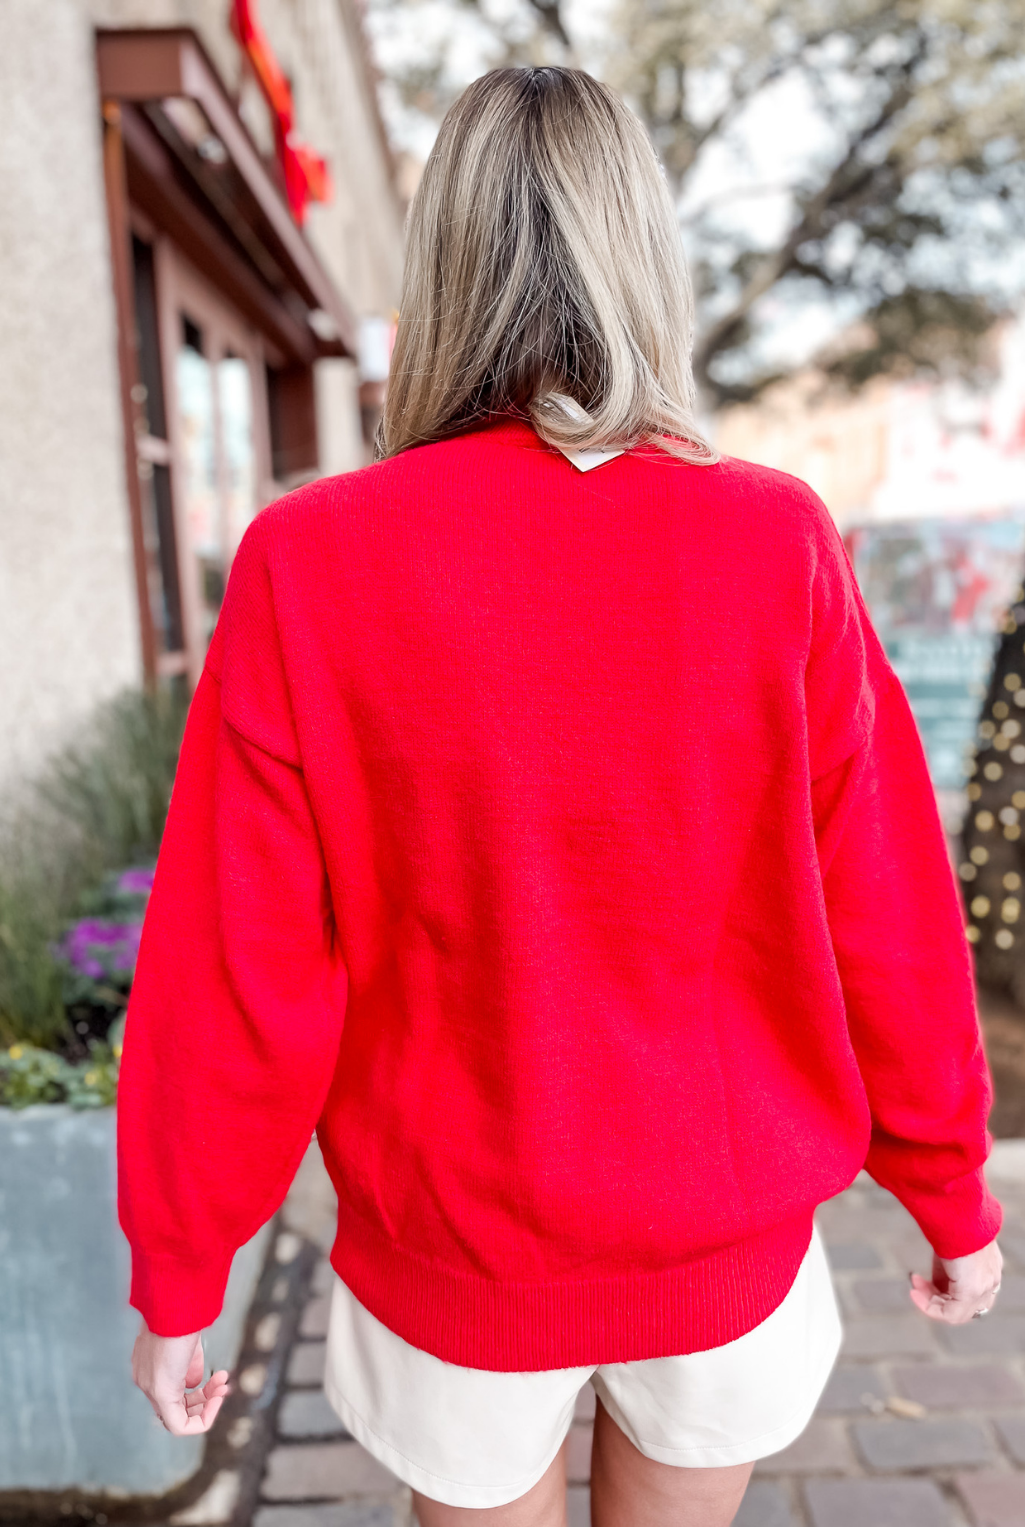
point(70, 1417)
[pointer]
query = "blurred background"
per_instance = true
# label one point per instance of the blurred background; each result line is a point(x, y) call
point(201, 215)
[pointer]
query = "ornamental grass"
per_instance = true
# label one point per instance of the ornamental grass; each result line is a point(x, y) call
point(77, 850)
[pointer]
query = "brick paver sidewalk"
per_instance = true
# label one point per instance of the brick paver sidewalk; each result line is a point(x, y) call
point(921, 1425)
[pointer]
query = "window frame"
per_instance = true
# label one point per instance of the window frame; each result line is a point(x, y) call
point(183, 292)
point(213, 256)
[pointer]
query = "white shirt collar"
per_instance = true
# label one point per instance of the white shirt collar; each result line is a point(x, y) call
point(585, 460)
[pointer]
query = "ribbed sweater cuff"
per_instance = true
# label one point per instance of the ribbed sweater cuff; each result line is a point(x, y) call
point(177, 1296)
point(957, 1218)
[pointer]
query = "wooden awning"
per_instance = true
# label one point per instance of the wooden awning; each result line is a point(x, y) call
point(192, 167)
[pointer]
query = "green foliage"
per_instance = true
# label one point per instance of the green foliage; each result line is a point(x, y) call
point(113, 787)
point(31, 983)
point(919, 331)
point(98, 806)
point(31, 1075)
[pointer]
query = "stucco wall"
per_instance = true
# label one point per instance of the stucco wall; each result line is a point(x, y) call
point(68, 617)
point(68, 623)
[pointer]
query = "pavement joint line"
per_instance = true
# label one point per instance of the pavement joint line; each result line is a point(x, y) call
point(877, 1243)
point(934, 1447)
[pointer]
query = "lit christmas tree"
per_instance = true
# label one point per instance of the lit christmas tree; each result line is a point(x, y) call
point(992, 865)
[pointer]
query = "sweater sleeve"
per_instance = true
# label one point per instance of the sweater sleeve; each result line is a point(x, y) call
point(898, 932)
point(239, 993)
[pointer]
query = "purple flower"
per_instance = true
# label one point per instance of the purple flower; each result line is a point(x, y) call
point(96, 948)
point(136, 882)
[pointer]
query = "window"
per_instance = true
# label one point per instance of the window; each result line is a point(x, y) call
point(153, 456)
point(218, 434)
point(223, 309)
point(202, 446)
point(214, 399)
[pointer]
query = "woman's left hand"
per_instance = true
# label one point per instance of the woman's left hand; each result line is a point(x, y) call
point(168, 1370)
point(962, 1288)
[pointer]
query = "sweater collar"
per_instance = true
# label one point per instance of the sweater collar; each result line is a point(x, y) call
point(522, 433)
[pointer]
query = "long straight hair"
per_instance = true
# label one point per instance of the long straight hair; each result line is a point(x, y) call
point(544, 276)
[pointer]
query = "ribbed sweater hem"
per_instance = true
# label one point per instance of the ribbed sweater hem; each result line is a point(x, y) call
point(524, 1327)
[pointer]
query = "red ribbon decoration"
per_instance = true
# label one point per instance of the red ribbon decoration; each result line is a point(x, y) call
point(307, 177)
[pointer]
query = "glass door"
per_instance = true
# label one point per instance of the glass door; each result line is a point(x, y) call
point(153, 467)
point(220, 438)
point(238, 445)
point(198, 478)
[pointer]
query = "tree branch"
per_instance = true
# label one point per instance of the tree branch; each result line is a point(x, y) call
point(808, 226)
point(550, 13)
point(740, 92)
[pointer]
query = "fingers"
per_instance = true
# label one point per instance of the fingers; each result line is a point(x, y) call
point(195, 1412)
point(215, 1388)
point(169, 1371)
point(199, 1402)
point(194, 1372)
point(174, 1413)
point(209, 1413)
point(204, 1408)
point(958, 1303)
point(198, 1398)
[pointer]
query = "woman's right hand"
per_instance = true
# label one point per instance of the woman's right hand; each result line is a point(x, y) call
point(961, 1287)
point(169, 1371)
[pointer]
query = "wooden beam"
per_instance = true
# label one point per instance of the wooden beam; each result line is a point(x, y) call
point(124, 303)
point(150, 64)
point(154, 184)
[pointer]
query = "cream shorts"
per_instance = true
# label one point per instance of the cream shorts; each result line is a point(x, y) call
point(472, 1437)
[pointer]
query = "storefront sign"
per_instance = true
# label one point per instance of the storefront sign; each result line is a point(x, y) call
point(938, 591)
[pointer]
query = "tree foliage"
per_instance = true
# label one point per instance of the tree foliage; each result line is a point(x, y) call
point(895, 218)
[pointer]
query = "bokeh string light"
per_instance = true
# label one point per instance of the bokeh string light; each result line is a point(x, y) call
point(991, 867)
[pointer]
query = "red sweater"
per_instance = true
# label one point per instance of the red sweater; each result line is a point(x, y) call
point(559, 846)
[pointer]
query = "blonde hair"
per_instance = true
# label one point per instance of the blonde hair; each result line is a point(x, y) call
point(544, 276)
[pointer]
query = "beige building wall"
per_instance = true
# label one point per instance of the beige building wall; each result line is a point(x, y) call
point(68, 616)
point(839, 447)
point(899, 449)
point(69, 629)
